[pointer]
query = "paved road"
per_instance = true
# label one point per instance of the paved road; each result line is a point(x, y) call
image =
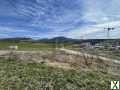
point(90, 56)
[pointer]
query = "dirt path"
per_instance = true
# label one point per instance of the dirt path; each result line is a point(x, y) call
point(65, 66)
point(3, 52)
point(89, 55)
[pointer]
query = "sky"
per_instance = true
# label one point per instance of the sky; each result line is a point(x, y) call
point(52, 18)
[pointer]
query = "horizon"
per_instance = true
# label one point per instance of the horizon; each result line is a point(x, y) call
point(78, 19)
point(58, 37)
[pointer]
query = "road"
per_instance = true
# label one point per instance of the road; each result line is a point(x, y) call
point(89, 55)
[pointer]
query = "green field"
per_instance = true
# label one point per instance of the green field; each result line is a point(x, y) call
point(21, 75)
point(30, 45)
point(25, 45)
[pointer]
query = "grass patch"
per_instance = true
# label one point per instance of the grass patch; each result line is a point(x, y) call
point(25, 45)
point(30, 45)
point(19, 75)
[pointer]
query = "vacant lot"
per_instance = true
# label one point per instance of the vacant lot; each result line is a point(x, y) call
point(106, 52)
point(20, 75)
point(54, 70)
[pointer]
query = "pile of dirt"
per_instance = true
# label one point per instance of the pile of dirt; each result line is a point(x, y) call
point(76, 61)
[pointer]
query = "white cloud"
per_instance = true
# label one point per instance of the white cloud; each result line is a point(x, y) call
point(94, 29)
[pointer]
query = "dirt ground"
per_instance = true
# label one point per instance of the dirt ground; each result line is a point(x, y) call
point(64, 59)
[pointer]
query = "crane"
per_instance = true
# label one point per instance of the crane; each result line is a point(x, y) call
point(108, 31)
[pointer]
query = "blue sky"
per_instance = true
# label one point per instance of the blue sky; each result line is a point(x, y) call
point(52, 18)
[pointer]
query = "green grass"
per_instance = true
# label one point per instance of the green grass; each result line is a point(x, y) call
point(30, 45)
point(25, 45)
point(19, 75)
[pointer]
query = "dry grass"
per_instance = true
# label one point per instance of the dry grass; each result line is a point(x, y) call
point(19, 75)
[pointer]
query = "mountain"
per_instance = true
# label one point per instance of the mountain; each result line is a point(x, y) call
point(17, 39)
point(58, 40)
point(61, 40)
point(76, 41)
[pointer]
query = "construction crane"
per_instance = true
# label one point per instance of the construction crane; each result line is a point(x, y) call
point(107, 28)
point(108, 31)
